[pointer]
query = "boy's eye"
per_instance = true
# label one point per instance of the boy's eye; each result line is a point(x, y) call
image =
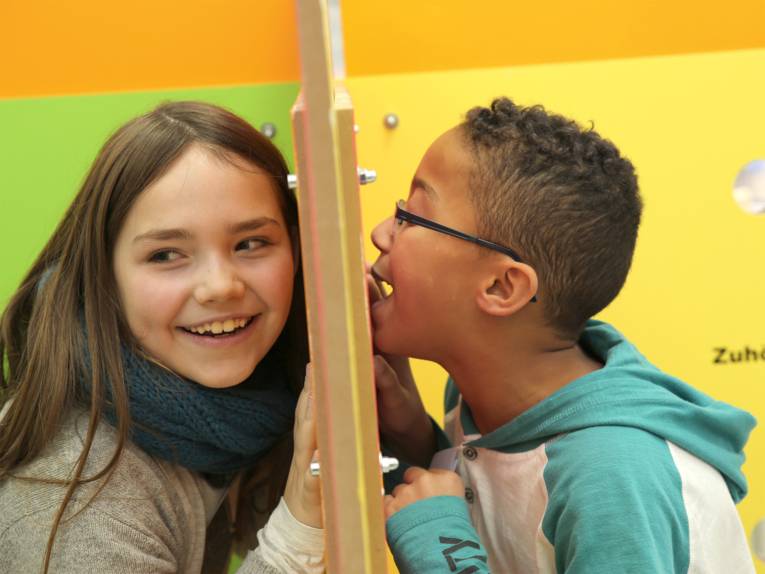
point(164, 256)
point(252, 244)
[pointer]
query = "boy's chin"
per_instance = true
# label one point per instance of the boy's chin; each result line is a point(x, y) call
point(381, 345)
point(391, 345)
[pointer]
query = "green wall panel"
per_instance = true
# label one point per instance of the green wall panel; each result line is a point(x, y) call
point(47, 146)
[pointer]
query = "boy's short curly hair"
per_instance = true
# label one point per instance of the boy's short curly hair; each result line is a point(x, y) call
point(563, 197)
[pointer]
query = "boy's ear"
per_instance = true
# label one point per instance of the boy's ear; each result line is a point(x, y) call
point(508, 290)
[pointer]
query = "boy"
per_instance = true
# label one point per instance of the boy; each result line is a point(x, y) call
point(572, 452)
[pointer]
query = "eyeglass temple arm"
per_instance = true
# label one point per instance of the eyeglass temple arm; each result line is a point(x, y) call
point(411, 217)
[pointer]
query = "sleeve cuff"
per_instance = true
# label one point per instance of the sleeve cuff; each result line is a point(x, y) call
point(288, 545)
point(424, 511)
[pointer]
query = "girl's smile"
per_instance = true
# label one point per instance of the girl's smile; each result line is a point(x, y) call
point(216, 327)
point(222, 333)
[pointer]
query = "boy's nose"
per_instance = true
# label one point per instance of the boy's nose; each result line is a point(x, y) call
point(382, 235)
point(219, 282)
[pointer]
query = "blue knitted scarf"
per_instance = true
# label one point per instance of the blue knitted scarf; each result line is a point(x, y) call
point(214, 431)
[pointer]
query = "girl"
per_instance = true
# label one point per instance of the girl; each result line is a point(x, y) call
point(152, 359)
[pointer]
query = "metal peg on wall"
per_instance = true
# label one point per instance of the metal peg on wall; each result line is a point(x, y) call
point(390, 121)
point(749, 187)
point(366, 176)
point(268, 129)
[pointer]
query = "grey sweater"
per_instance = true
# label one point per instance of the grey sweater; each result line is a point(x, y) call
point(150, 517)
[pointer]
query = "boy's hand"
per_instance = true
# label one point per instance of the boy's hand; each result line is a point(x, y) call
point(420, 484)
point(404, 424)
point(303, 491)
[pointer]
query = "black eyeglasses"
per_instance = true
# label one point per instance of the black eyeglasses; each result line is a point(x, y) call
point(403, 215)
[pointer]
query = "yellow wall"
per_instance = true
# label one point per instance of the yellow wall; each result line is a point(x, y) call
point(689, 123)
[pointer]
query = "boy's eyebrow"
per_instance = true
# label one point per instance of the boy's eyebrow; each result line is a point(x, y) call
point(425, 186)
point(178, 234)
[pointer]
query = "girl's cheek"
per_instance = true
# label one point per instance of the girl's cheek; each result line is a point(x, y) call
point(148, 301)
point(278, 273)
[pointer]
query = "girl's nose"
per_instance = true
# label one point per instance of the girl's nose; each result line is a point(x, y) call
point(219, 282)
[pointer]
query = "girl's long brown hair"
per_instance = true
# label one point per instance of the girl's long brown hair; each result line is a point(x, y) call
point(42, 347)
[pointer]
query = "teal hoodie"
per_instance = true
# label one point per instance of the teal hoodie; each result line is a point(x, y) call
point(626, 469)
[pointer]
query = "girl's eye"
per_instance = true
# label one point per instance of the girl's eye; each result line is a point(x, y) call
point(164, 256)
point(252, 244)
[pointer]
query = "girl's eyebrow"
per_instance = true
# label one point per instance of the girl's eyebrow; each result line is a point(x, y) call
point(252, 224)
point(177, 234)
point(163, 235)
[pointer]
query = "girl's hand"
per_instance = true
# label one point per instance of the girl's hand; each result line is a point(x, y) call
point(420, 484)
point(303, 491)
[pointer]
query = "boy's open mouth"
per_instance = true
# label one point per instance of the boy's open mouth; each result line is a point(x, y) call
point(385, 286)
point(220, 328)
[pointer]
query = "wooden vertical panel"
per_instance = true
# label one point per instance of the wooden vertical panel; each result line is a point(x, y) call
point(341, 348)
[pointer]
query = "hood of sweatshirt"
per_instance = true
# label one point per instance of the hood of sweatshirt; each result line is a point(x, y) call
point(630, 391)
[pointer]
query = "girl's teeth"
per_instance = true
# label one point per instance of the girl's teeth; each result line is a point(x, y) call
point(218, 327)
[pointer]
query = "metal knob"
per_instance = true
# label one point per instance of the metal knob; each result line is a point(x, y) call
point(268, 129)
point(749, 187)
point(387, 464)
point(390, 121)
point(366, 176)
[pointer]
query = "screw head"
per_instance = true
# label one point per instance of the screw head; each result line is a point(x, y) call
point(388, 463)
point(749, 187)
point(366, 176)
point(390, 121)
point(268, 129)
